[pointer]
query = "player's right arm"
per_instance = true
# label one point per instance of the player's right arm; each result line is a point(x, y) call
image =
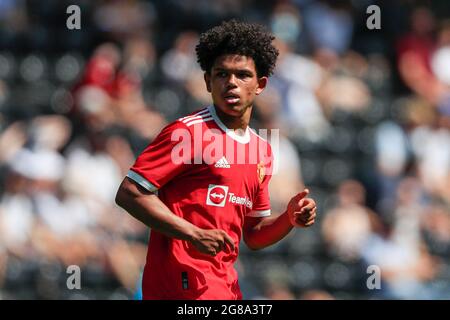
point(150, 210)
point(155, 167)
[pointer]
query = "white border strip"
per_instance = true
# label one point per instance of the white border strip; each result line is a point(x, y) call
point(141, 181)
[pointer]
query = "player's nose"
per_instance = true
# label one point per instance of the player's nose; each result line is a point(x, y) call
point(232, 80)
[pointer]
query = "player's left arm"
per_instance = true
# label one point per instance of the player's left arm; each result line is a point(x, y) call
point(261, 232)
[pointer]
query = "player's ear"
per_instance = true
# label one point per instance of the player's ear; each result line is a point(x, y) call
point(207, 77)
point(262, 83)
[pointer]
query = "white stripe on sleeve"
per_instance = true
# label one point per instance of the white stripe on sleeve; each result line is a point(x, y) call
point(141, 181)
point(259, 213)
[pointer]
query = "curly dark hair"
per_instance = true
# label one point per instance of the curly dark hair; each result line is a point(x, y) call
point(233, 37)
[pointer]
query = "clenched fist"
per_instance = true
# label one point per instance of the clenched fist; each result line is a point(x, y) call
point(302, 210)
point(213, 241)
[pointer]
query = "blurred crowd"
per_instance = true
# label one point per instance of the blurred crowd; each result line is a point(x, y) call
point(364, 119)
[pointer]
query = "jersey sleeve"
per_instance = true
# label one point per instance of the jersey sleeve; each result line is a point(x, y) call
point(166, 157)
point(261, 205)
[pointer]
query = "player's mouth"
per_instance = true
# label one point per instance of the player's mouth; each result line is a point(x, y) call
point(231, 98)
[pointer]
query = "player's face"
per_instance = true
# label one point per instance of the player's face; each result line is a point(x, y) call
point(233, 84)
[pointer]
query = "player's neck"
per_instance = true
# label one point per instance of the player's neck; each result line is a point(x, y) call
point(235, 123)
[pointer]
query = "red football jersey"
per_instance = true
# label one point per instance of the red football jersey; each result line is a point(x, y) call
point(213, 178)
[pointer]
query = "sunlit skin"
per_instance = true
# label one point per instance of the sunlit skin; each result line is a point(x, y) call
point(233, 83)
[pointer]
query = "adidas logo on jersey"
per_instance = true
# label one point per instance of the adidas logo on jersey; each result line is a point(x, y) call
point(222, 163)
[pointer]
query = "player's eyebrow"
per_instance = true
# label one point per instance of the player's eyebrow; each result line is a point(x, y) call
point(246, 70)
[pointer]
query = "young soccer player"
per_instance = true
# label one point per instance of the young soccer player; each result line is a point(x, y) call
point(202, 184)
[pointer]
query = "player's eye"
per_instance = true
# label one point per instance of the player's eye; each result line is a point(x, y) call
point(243, 75)
point(221, 74)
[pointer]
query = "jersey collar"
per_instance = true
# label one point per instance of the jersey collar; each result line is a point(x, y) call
point(230, 132)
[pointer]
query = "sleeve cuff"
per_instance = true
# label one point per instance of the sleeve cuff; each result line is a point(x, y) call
point(141, 181)
point(259, 213)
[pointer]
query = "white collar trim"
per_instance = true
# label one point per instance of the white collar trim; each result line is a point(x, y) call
point(230, 132)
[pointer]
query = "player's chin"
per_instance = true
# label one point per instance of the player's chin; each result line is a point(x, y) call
point(232, 109)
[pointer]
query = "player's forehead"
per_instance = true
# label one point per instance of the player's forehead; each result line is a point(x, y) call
point(234, 62)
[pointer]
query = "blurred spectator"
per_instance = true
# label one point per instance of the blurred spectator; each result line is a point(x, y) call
point(287, 177)
point(343, 86)
point(440, 57)
point(329, 24)
point(431, 146)
point(406, 265)
point(348, 225)
point(316, 295)
point(179, 62)
point(416, 49)
point(299, 110)
point(276, 291)
point(123, 19)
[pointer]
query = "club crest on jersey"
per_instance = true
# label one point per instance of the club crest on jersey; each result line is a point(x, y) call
point(261, 171)
point(217, 195)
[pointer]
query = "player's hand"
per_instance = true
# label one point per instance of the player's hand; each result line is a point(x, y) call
point(213, 241)
point(302, 210)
